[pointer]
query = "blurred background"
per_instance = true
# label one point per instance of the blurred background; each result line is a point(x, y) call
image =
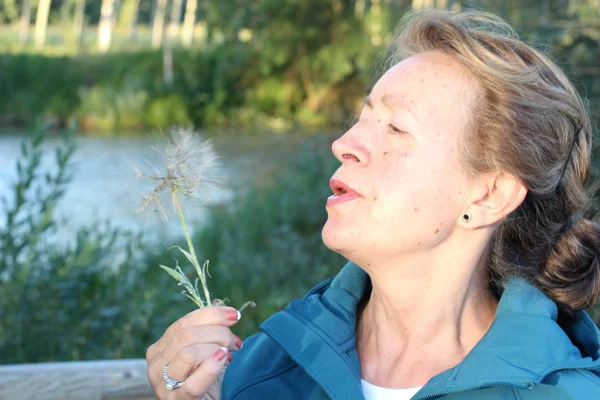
point(85, 84)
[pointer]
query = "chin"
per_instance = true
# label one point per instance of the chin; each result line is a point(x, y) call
point(335, 239)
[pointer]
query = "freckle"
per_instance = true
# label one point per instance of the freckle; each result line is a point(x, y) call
point(375, 198)
point(405, 154)
point(459, 192)
point(385, 153)
point(437, 231)
point(441, 223)
point(418, 244)
point(378, 120)
point(416, 209)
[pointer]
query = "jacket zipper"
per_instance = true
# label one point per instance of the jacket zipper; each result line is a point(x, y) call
point(524, 386)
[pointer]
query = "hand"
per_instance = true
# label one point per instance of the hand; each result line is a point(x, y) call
point(197, 348)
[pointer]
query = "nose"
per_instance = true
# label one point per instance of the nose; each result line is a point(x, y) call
point(349, 150)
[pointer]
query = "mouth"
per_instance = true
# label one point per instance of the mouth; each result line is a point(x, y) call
point(339, 188)
point(342, 193)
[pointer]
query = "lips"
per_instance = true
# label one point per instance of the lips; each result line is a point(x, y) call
point(341, 193)
point(340, 188)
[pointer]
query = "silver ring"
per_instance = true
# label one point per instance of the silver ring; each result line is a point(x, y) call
point(171, 383)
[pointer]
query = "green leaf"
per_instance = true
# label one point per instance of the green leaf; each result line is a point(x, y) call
point(198, 302)
point(190, 258)
point(181, 278)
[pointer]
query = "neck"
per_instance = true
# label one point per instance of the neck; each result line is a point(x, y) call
point(424, 314)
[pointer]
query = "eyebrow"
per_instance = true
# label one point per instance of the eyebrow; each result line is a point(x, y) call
point(387, 101)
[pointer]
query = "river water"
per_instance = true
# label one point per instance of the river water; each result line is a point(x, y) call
point(103, 184)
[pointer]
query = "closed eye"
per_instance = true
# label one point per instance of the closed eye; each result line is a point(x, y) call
point(394, 130)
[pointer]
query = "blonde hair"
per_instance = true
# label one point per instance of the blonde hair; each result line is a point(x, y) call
point(530, 122)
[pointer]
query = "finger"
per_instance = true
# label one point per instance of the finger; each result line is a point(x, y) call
point(214, 315)
point(189, 358)
point(204, 334)
point(199, 382)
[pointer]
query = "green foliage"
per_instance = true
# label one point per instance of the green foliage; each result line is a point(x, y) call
point(36, 86)
point(306, 62)
point(60, 300)
point(103, 294)
point(167, 111)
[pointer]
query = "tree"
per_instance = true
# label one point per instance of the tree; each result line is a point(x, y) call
point(78, 21)
point(175, 19)
point(158, 24)
point(189, 22)
point(107, 14)
point(420, 4)
point(359, 8)
point(135, 7)
point(41, 23)
point(25, 21)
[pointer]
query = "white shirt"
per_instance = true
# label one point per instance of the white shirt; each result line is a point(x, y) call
point(374, 392)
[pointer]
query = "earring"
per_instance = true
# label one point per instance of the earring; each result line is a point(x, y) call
point(466, 217)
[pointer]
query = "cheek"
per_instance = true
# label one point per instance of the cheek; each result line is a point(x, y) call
point(424, 199)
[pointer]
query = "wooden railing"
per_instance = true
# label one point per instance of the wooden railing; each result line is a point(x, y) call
point(79, 380)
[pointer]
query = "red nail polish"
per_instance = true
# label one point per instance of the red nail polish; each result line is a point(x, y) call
point(232, 315)
point(229, 357)
point(221, 353)
point(238, 343)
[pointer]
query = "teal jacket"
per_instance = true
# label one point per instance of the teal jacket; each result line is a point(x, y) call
point(308, 351)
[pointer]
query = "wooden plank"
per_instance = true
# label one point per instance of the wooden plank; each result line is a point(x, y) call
point(89, 380)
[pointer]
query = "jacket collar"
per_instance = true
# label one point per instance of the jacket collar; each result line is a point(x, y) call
point(325, 321)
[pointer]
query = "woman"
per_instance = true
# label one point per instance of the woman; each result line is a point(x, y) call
point(460, 206)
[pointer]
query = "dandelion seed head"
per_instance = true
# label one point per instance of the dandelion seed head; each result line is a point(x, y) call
point(189, 166)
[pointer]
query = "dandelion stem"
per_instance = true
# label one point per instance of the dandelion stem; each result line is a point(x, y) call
point(188, 238)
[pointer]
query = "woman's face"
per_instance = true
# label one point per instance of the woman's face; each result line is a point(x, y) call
point(402, 158)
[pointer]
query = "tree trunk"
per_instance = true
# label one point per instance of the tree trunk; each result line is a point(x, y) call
point(78, 21)
point(133, 24)
point(189, 22)
point(41, 23)
point(168, 75)
point(175, 20)
point(422, 4)
point(158, 24)
point(359, 8)
point(105, 25)
point(168, 47)
point(456, 5)
point(25, 21)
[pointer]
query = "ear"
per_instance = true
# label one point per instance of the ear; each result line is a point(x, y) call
point(493, 198)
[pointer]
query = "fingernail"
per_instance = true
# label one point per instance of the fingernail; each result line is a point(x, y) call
point(217, 302)
point(232, 314)
point(221, 353)
point(229, 358)
point(238, 343)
